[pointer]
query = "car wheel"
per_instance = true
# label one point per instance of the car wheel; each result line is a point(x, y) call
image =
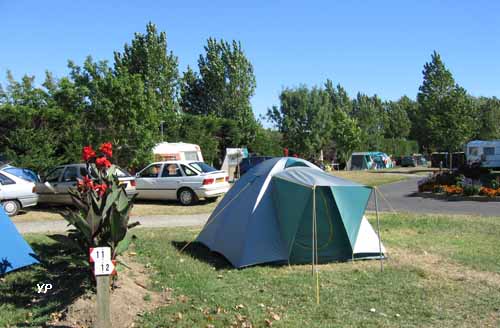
point(187, 197)
point(11, 207)
point(211, 199)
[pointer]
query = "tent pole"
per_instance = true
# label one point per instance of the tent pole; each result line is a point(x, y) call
point(378, 229)
point(315, 244)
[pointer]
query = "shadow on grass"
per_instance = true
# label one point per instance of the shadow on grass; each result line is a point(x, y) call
point(202, 253)
point(59, 267)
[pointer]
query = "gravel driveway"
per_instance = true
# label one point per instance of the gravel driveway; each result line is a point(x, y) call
point(399, 195)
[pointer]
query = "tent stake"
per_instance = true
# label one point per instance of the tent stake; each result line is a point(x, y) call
point(378, 229)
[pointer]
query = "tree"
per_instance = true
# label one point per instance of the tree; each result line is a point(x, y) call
point(118, 110)
point(446, 110)
point(398, 123)
point(223, 87)
point(488, 118)
point(267, 142)
point(345, 134)
point(371, 118)
point(148, 57)
point(304, 119)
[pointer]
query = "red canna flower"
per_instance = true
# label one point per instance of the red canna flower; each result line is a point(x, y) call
point(107, 149)
point(101, 189)
point(102, 162)
point(88, 153)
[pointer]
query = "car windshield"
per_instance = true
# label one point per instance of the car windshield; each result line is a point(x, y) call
point(23, 173)
point(202, 167)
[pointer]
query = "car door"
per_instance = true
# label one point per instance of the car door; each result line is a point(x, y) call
point(47, 190)
point(68, 180)
point(147, 182)
point(170, 180)
point(6, 187)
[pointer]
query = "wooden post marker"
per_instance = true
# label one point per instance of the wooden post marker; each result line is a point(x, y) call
point(103, 268)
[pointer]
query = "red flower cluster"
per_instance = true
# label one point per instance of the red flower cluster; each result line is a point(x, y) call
point(88, 153)
point(107, 149)
point(101, 189)
point(86, 183)
point(102, 162)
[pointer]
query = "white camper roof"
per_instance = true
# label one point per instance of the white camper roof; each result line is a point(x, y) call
point(174, 147)
point(483, 143)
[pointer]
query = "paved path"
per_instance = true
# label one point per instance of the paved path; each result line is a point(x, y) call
point(154, 221)
point(399, 195)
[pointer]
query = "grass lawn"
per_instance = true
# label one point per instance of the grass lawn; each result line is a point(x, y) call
point(442, 271)
point(370, 178)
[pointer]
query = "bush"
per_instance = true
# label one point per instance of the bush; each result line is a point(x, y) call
point(471, 189)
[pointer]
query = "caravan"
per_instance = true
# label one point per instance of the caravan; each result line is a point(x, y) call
point(484, 153)
point(177, 151)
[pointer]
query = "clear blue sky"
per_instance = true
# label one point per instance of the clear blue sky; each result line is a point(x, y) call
point(369, 46)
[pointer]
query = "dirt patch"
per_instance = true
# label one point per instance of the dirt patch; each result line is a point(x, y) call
point(435, 265)
point(130, 298)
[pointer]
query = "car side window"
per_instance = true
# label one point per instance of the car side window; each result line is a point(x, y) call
point(171, 170)
point(188, 172)
point(70, 174)
point(83, 171)
point(54, 175)
point(5, 180)
point(151, 171)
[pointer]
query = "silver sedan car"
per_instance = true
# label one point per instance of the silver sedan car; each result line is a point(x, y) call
point(54, 189)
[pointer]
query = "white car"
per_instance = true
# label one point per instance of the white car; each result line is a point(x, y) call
point(16, 193)
point(186, 181)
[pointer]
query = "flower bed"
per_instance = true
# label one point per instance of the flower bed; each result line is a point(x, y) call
point(450, 185)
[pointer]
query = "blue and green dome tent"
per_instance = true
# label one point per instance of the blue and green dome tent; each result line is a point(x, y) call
point(283, 208)
point(15, 252)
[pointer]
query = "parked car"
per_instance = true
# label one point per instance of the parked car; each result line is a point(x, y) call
point(54, 188)
point(420, 159)
point(16, 193)
point(185, 181)
point(22, 173)
point(408, 161)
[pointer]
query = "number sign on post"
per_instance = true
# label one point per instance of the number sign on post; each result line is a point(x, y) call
point(103, 267)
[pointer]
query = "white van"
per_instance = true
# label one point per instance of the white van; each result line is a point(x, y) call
point(177, 151)
point(484, 152)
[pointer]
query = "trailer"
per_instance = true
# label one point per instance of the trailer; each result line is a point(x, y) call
point(167, 151)
point(485, 153)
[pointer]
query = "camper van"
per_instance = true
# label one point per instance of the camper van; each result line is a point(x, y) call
point(177, 151)
point(484, 153)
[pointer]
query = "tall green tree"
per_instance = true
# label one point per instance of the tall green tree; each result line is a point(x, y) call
point(345, 133)
point(488, 118)
point(222, 87)
point(117, 110)
point(398, 123)
point(448, 115)
point(371, 118)
point(148, 56)
point(304, 119)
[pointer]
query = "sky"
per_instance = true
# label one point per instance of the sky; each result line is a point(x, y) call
point(376, 47)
